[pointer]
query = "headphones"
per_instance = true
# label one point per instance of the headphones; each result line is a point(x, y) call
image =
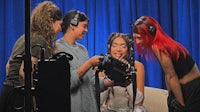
point(74, 21)
point(151, 28)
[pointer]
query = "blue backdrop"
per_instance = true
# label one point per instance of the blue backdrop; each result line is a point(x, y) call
point(179, 19)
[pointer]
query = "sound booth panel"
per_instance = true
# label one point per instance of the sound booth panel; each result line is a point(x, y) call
point(53, 86)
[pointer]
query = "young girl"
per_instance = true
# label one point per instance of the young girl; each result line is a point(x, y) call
point(120, 97)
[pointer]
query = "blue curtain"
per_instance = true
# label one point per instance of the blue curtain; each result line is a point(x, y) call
point(179, 19)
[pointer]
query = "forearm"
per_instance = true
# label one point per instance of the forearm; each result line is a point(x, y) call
point(167, 85)
point(176, 89)
point(83, 69)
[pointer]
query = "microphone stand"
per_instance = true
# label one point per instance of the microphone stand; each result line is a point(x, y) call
point(27, 59)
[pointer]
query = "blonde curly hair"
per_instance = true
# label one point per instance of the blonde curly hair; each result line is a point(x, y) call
point(42, 18)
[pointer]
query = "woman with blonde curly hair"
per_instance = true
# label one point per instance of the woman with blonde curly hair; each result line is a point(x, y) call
point(46, 19)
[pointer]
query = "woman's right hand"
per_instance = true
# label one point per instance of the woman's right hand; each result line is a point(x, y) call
point(96, 60)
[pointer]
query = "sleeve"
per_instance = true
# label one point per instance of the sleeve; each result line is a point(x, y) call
point(101, 83)
point(19, 47)
point(36, 44)
point(75, 81)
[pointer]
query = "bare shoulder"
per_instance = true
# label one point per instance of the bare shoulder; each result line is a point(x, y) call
point(139, 65)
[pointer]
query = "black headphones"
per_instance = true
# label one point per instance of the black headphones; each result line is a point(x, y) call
point(74, 21)
point(151, 28)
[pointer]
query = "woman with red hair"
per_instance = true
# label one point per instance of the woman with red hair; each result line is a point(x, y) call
point(181, 72)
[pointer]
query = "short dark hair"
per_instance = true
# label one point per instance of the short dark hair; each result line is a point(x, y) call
point(69, 16)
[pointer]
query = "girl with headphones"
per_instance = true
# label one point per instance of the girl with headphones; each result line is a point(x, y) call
point(83, 99)
point(181, 71)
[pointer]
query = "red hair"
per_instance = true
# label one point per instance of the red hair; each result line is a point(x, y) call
point(164, 43)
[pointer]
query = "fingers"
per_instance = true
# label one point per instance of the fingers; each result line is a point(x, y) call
point(121, 59)
point(100, 58)
point(136, 35)
point(96, 60)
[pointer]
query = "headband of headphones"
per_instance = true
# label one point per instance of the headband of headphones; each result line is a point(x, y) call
point(142, 20)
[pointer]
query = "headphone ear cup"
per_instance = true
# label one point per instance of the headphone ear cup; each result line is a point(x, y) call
point(74, 21)
point(152, 30)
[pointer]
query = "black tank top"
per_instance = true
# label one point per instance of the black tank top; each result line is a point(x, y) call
point(183, 65)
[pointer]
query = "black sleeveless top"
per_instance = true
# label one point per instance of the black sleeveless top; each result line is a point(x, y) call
point(183, 65)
